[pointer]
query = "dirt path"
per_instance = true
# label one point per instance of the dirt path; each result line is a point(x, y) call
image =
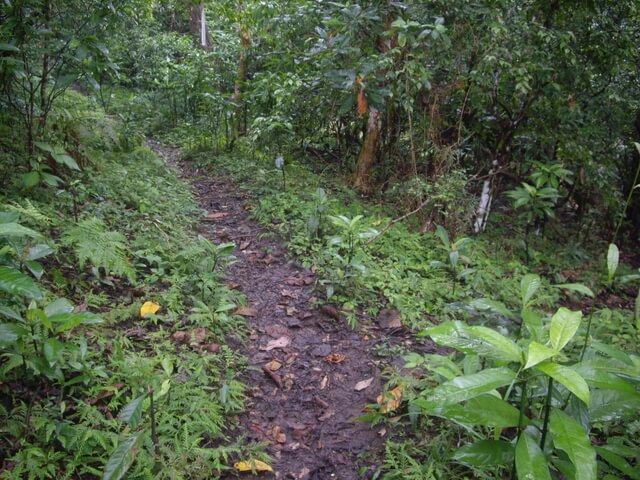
point(305, 364)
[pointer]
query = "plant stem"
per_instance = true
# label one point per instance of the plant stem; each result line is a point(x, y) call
point(154, 433)
point(626, 204)
point(547, 409)
point(586, 335)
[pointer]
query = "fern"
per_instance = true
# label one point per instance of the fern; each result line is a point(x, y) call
point(94, 244)
point(28, 210)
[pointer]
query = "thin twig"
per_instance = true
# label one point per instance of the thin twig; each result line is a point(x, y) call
point(399, 219)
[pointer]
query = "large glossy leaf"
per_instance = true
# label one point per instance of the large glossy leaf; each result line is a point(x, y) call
point(531, 463)
point(567, 377)
point(491, 305)
point(58, 307)
point(564, 325)
point(619, 463)
point(485, 453)
point(15, 230)
point(39, 251)
point(479, 340)
point(486, 411)
point(8, 336)
point(17, 283)
point(467, 387)
point(121, 458)
point(602, 379)
point(613, 258)
point(569, 436)
point(132, 412)
point(576, 287)
point(609, 405)
point(533, 321)
point(538, 353)
point(529, 285)
point(68, 321)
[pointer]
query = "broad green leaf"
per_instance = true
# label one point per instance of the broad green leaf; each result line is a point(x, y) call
point(121, 459)
point(7, 335)
point(58, 307)
point(619, 463)
point(30, 180)
point(613, 257)
point(564, 325)
point(65, 159)
point(132, 412)
point(467, 387)
point(443, 235)
point(39, 251)
point(491, 305)
point(609, 405)
point(69, 321)
point(531, 463)
point(479, 340)
point(15, 230)
point(567, 377)
point(576, 287)
point(7, 47)
point(602, 379)
point(485, 410)
point(569, 436)
point(538, 353)
point(9, 313)
point(17, 283)
point(485, 453)
point(529, 285)
point(533, 321)
point(35, 268)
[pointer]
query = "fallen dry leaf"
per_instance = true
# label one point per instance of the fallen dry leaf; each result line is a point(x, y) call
point(361, 385)
point(245, 245)
point(211, 348)
point(290, 294)
point(215, 216)
point(273, 365)
point(326, 415)
point(390, 401)
point(335, 358)
point(291, 311)
point(294, 281)
point(246, 312)
point(276, 331)
point(250, 465)
point(277, 343)
point(149, 308)
point(197, 335)
point(180, 337)
point(323, 382)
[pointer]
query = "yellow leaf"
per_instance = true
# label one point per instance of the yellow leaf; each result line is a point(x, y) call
point(251, 465)
point(390, 401)
point(149, 308)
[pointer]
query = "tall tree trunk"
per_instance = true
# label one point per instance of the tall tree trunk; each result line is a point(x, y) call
point(241, 77)
point(368, 151)
point(199, 28)
point(44, 79)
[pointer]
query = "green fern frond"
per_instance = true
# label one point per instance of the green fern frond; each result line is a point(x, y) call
point(28, 210)
point(94, 244)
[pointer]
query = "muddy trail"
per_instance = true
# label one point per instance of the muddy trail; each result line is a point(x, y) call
point(310, 375)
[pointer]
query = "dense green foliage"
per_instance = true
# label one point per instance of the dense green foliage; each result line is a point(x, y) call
point(468, 164)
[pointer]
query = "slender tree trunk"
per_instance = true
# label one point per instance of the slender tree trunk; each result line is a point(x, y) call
point(45, 71)
point(199, 28)
point(486, 199)
point(368, 151)
point(241, 77)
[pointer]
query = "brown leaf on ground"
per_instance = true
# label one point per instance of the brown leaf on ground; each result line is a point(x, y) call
point(294, 281)
point(180, 337)
point(246, 312)
point(211, 348)
point(326, 415)
point(391, 400)
point(323, 382)
point(290, 294)
point(389, 318)
point(212, 217)
point(276, 331)
point(273, 365)
point(244, 245)
point(335, 358)
point(291, 311)
point(281, 342)
point(198, 335)
point(361, 385)
point(330, 311)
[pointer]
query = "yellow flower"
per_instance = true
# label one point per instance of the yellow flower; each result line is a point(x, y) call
point(149, 308)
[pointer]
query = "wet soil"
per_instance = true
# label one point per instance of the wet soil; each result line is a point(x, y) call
point(310, 374)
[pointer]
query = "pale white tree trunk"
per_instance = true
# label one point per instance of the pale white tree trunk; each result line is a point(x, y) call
point(486, 198)
point(203, 27)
